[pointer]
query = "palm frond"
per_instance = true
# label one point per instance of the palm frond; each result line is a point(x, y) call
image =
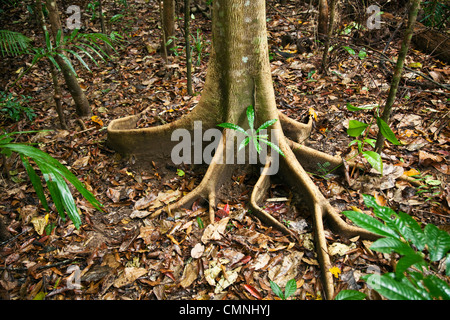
point(13, 43)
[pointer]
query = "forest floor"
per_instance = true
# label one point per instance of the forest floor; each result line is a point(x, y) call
point(122, 253)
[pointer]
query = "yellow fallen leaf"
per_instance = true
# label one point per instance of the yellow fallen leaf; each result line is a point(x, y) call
point(97, 120)
point(415, 65)
point(335, 271)
point(411, 172)
point(313, 113)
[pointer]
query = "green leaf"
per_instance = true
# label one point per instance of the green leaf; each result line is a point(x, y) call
point(257, 145)
point(67, 61)
point(407, 261)
point(374, 159)
point(48, 41)
point(232, 126)
point(349, 50)
point(350, 295)
point(273, 146)
point(438, 242)
point(36, 182)
point(277, 290)
point(54, 192)
point(356, 128)
point(58, 37)
point(79, 59)
point(41, 157)
point(411, 231)
point(437, 287)
point(387, 132)
point(291, 287)
point(250, 116)
point(392, 289)
point(370, 224)
point(244, 143)
point(180, 173)
point(266, 124)
point(52, 60)
point(387, 245)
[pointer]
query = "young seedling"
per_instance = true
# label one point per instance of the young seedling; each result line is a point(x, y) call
point(291, 287)
point(253, 135)
point(358, 130)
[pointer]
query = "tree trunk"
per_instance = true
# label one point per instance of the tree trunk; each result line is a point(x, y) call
point(82, 105)
point(239, 75)
point(53, 71)
point(187, 15)
point(168, 26)
point(414, 9)
point(325, 56)
point(322, 22)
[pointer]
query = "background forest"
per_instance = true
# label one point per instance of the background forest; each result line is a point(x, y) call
point(78, 220)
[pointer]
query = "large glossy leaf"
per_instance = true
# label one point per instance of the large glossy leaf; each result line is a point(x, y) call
point(438, 242)
point(407, 261)
point(437, 287)
point(350, 295)
point(371, 224)
point(392, 289)
point(387, 245)
point(410, 230)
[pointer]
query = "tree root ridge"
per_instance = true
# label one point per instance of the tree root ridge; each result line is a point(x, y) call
point(297, 156)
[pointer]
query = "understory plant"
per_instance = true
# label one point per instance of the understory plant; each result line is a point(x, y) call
point(54, 174)
point(291, 287)
point(359, 130)
point(253, 135)
point(14, 107)
point(420, 250)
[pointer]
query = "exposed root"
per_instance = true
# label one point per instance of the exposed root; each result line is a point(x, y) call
point(216, 173)
point(258, 193)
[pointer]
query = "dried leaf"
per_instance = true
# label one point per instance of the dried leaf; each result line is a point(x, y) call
point(197, 251)
point(214, 231)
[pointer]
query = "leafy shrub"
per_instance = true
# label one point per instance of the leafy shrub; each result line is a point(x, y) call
point(414, 277)
point(55, 176)
point(14, 107)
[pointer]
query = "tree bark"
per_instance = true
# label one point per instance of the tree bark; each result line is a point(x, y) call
point(414, 9)
point(322, 22)
point(187, 16)
point(82, 106)
point(168, 26)
point(325, 56)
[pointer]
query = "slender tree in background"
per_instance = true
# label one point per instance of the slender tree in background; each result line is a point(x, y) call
point(168, 26)
point(414, 9)
point(322, 22)
point(53, 71)
point(325, 56)
point(82, 105)
point(187, 15)
point(239, 76)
